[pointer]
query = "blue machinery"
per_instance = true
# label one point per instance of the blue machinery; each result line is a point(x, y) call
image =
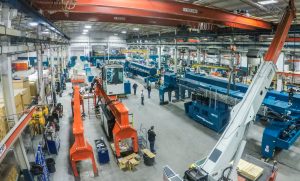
point(210, 97)
point(150, 73)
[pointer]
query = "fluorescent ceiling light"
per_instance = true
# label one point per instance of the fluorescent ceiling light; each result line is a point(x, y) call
point(45, 32)
point(267, 2)
point(85, 30)
point(270, 38)
point(136, 29)
point(88, 26)
point(124, 32)
point(116, 34)
point(33, 24)
point(84, 33)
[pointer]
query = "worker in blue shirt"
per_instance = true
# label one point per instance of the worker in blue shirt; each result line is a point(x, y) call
point(151, 139)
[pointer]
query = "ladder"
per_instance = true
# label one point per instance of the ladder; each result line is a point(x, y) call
point(91, 106)
point(40, 159)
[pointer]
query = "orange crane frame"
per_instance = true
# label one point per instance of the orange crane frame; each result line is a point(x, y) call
point(81, 149)
point(122, 128)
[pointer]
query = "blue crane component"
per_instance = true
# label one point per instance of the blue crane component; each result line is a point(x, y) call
point(149, 73)
point(280, 110)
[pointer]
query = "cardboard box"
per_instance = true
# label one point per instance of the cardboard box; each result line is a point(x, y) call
point(25, 96)
point(19, 84)
point(18, 96)
point(19, 109)
point(33, 88)
point(3, 127)
point(11, 173)
point(2, 110)
point(18, 100)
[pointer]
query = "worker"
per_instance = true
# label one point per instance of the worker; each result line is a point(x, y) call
point(149, 90)
point(291, 94)
point(151, 139)
point(142, 97)
point(134, 86)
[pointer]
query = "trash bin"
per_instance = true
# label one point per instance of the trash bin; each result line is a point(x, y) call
point(103, 155)
point(147, 160)
point(50, 162)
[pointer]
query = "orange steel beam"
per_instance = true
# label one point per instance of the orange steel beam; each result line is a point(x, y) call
point(122, 129)
point(281, 33)
point(117, 19)
point(289, 74)
point(152, 16)
point(81, 149)
point(161, 10)
point(293, 61)
point(14, 133)
point(133, 20)
point(292, 39)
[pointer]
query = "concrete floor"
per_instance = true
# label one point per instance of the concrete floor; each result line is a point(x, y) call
point(180, 142)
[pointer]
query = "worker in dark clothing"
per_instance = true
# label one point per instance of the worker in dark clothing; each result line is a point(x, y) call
point(142, 97)
point(291, 94)
point(134, 86)
point(151, 138)
point(149, 90)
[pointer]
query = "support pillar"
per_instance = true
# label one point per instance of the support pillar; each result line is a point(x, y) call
point(198, 56)
point(159, 53)
point(108, 51)
point(52, 53)
point(9, 102)
point(176, 58)
point(41, 85)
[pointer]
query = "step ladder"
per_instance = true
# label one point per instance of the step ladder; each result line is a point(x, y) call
point(40, 159)
point(91, 107)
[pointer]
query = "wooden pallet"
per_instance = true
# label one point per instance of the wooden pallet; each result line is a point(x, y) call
point(249, 170)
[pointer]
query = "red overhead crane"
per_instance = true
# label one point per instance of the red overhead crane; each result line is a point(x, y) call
point(122, 129)
point(154, 10)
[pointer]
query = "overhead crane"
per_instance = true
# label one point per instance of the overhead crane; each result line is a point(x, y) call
point(167, 13)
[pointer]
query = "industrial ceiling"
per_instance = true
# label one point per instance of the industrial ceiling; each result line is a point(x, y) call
point(71, 16)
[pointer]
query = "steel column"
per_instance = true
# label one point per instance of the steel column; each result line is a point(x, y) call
point(41, 85)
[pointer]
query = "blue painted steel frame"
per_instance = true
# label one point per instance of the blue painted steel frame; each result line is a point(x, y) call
point(142, 70)
point(274, 100)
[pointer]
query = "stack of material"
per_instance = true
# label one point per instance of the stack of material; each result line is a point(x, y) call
point(23, 87)
point(249, 170)
point(33, 88)
point(3, 122)
point(18, 101)
point(11, 174)
point(20, 65)
point(129, 162)
point(20, 84)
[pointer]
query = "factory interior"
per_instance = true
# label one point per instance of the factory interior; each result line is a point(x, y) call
point(150, 90)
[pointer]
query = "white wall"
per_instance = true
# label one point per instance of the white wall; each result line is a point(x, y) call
point(82, 44)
